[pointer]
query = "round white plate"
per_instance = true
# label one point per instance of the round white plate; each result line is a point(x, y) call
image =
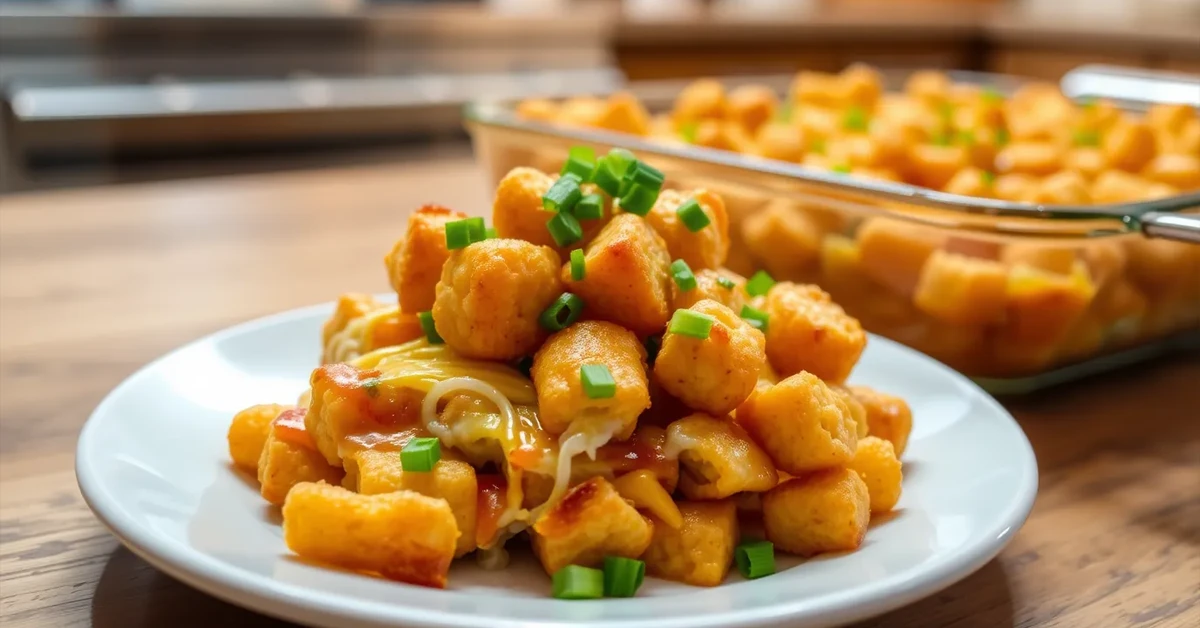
point(153, 464)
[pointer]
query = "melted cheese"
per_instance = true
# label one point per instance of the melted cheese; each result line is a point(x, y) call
point(352, 340)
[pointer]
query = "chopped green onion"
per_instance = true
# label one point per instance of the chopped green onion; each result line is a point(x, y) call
point(988, 178)
point(855, 119)
point(563, 195)
point(462, 233)
point(598, 382)
point(1087, 137)
point(690, 323)
point(692, 215)
point(578, 267)
point(946, 112)
point(639, 200)
point(653, 344)
point(992, 95)
point(1002, 137)
point(578, 583)
point(841, 169)
point(941, 138)
point(1088, 102)
point(590, 207)
point(623, 576)
point(427, 326)
point(688, 132)
point(759, 284)
point(726, 283)
point(966, 137)
point(755, 559)
point(611, 169)
point(817, 146)
point(581, 162)
point(645, 175)
point(682, 273)
point(420, 454)
point(785, 112)
point(756, 317)
point(565, 310)
point(490, 234)
point(565, 229)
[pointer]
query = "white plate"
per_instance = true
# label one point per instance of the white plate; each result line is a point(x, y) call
point(153, 464)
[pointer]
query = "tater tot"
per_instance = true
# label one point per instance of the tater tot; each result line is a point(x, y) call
point(1129, 145)
point(801, 424)
point(624, 113)
point(1066, 187)
point(932, 165)
point(491, 295)
point(1086, 160)
point(700, 551)
point(1181, 171)
point(1117, 186)
point(781, 140)
point(709, 286)
point(1032, 158)
point(590, 522)
point(1054, 258)
point(855, 407)
point(717, 458)
point(336, 526)
point(349, 306)
point(539, 109)
point(288, 458)
point(581, 111)
point(716, 373)
point(893, 251)
point(1043, 306)
point(876, 463)
point(825, 511)
point(962, 290)
point(415, 263)
point(1169, 116)
point(888, 416)
point(518, 213)
point(627, 279)
point(376, 472)
point(701, 99)
point(861, 85)
point(347, 400)
point(930, 86)
point(752, 105)
point(562, 402)
point(969, 181)
point(815, 88)
point(1015, 187)
point(807, 331)
point(784, 239)
point(721, 135)
point(248, 433)
point(705, 248)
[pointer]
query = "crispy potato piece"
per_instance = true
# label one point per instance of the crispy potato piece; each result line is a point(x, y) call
point(582, 111)
point(1015, 187)
point(969, 181)
point(1086, 160)
point(415, 263)
point(1129, 145)
point(857, 410)
point(888, 417)
point(717, 458)
point(782, 141)
point(642, 489)
point(930, 86)
point(1032, 158)
point(562, 404)
point(1051, 258)
point(876, 463)
point(286, 462)
point(518, 213)
point(962, 290)
point(590, 522)
point(700, 551)
point(1116, 186)
point(349, 306)
point(491, 295)
point(705, 248)
point(825, 511)
point(539, 109)
point(807, 331)
point(1169, 116)
point(1181, 171)
point(624, 113)
point(248, 433)
point(893, 251)
point(933, 165)
point(815, 88)
point(751, 106)
point(722, 135)
point(1163, 268)
point(861, 85)
point(784, 239)
point(1042, 306)
point(713, 374)
point(802, 424)
point(709, 287)
point(336, 526)
point(347, 401)
point(376, 472)
point(704, 98)
point(394, 329)
point(627, 279)
point(1063, 188)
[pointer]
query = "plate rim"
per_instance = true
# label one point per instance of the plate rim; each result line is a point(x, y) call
point(290, 602)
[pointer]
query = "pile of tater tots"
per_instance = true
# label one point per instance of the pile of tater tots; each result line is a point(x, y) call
point(584, 376)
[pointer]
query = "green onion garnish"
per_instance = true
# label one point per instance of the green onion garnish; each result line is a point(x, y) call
point(598, 382)
point(427, 326)
point(726, 283)
point(759, 284)
point(692, 215)
point(1002, 137)
point(565, 310)
point(563, 195)
point(578, 583)
point(987, 177)
point(855, 119)
point(689, 323)
point(946, 112)
point(966, 137)
point(688, 132)
point(639, 200)
point(581, 162)
point(578, 267)
point(941, 138)
point(992, 95)
point(785, 112)
point(841, 169)
point(645, 175)
point(590, 207)
point(755, 559)
point(420, 454)
point(817, 146)
point(623, 576)
point(611, 169)
point(1087, 102)
point(462, 233)
point(653, 344)
point(756, 317)
point(1087, 137)
point(490, 234)
point(682, 273)
point(565, 229)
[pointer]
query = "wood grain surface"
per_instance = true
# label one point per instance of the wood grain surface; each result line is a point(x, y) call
point(96, 282)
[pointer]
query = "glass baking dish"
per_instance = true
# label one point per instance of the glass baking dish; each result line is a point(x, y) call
point(1016, 295)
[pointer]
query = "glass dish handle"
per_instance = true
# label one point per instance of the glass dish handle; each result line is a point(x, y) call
point(1171, 226)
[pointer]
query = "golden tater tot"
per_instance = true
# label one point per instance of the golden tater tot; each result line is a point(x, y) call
point(1169, 116)
point(347, 401)
point(930, 86)
point(815, 88)
point(539, 109)
point(415, 263)
point(1116, 186)
point(962, 290)
point(780, 140)
point(376, 472)
point(1043, 306)
point(590, 522)
point(518, 213)
point(336, 526)
point(1066, 187)
point(1032, 158)
point(721, 135)
point(709, 286)
point(1086, 160)
point(860, 85)
point(700, 551)
point(932, 165)
point(1015, 187)
point(624, 113)
point(349, 306)
point(248, 433)
point(627, 280)
point(1185, 141)
point(491, 295)
point(393, 329)
point(876, 463)
point(1054, 258)
point(807, 331)
point(784, 239)
point(1181, 171)
point(825, 511)
point(1163, 268)
point(1129, 145)
point(717, 458)
point(801, 424)
point(288, 458)
point(716, 373)
point(581, 111)
point(888, 416)
point(704, 248)
point(857, 410)
point(562, 402)
point(752, 105)
point(701, 99)
point(970, 181)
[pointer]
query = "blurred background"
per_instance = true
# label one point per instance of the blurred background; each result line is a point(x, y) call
point(99, 91)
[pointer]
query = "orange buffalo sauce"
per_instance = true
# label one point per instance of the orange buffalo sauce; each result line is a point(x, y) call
point(492, 501)
point(393, 330)
point(289, 427)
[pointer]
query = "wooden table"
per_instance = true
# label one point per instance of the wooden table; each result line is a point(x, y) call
point(96, 282)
